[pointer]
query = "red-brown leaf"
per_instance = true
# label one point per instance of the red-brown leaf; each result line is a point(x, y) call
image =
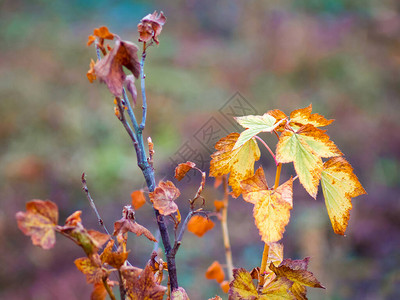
point(164, 196)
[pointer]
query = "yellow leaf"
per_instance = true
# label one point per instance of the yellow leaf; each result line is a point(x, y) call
point(239, 162)
point(305, 148)
point(91, 268)
point(339, 185)
point(272, 211)
point(242, 286)
point(303, 116)
point(39, 222)
point(255, 186)
point(278, 289)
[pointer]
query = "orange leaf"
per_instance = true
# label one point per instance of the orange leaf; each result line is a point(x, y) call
point(138, 199)
point(146, 287)
point(278, 115)
point(91, 267)
point(219, 205)
point(150, 27)
point(239, 162)
point(339, 185)
point(199, 225)
point(128, 223)
point(225, 286)
point(130, 274)
point(164, 196)
point(303, 116)
point(103, 33)
point(109, 68)
point(91, 39)
point(216, 272)
point(182, 169)
point(91, 75)
point(39, 222)
point(114, 259)
point(254, 186)
point(99, 292)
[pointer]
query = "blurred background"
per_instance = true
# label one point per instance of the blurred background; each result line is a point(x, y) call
point(216, 59)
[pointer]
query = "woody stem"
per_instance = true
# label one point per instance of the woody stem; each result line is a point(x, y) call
point(225, 232)
point(261, 279)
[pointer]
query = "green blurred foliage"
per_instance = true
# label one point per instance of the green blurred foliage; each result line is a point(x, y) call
point(342, 56)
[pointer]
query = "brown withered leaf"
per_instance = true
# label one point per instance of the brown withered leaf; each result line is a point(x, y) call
point(216, 272)
point(39, 222)
point(130, 86)
point(114, 259)
point(239, 162)
point(296, 271)
point(99, 292)
point(128, 223)
point(182, 169)
point(339, 186)
point(90, 240)
point(303, 116)
point(179, 294)
point(130, 274)
point(103, 33)
point(138, 199)
point(150, 27)
point(92, 268)
point(109, 68)
point(164, 196)
point(199, 225)
point(145, 287)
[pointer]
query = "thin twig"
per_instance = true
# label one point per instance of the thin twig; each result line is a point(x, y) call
point(92, 205)
point(130, 110)
point(108, 289)
point(142, 82)
point(268, 148)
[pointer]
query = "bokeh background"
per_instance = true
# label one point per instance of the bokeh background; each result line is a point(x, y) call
point(343, 56)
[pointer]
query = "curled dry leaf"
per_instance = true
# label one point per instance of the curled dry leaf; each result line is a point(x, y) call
point(182, 169)
point(91, 75)
point(114, 259)
point(130, 86)
point(150, 27)
point(128, 223)
point(164, 196)
point(109, 69)
point(39, 222)
point(239, 162)
point(179, 294)
point(219, 205)
point(129, 275)
point(199, 225)
point(103, 33)
point(138, 199)
point(225, 286)
point(216, 272)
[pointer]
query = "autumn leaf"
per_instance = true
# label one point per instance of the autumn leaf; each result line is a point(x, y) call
point(129, 275)
point(239, 162)
point(91, 267)
point(114, 259)
point(179, 294)
point(277, 289)
point(339, 185)
point(254, 125)
point(304, 148)
point(216, 298)
point(182, 169)
point(103, 33)
point(99, 292)
point(39, 222)
point(216, 272)
point(150, 27)
point(296, 271)
point(128, 223)
point(219, 205)
point(91, 75)
point(90, 240)
point(199, 225)
point(242, 286)
point(164, 196)
point(275, 256)
point(145, 287)
point(303, 116)
point(130, 86)
point(109, 68)
point(138, 199)
point(280, 118)
point(272, 207)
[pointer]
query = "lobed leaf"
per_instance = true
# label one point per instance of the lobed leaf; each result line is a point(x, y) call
point(114, 259)
point(339, 185)
point(91, 267)
point(182, 169)
point(277, 289)
point(303, 116)
point(179, 294)
point(239, 162)
point(242, 286)
point(254, 125)
point(150, 27)
point(255, 187)
point(39, 222)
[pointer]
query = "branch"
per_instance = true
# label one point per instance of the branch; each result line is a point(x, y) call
point(143, 88)
point(225, 232)
point(268, 148)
